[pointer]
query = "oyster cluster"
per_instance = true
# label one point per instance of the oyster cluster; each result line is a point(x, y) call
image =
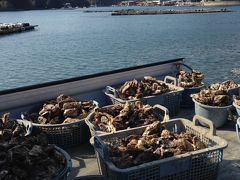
point(229, 84)
point(189, 80)
point(155, 143)
point(25, 157)
point(213, 97)
point(148, 86)
point(123, 116)
point(9, 129)
point(236, 100)
point(62, 110)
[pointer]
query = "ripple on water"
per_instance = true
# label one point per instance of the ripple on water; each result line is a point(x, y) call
point(73, 43)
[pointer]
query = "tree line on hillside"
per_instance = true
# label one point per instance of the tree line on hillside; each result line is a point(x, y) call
point(45, 4)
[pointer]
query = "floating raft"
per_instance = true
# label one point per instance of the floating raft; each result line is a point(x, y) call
point(153, 12)
point(9, 28)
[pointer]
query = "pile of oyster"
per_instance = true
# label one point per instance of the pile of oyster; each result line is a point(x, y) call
point(123, 116)
point(155, 143)
point(213, 97)
point(149, 86)
point(9, 129)
point(62, 110)
point(236, 100)
point(25, 157)
point(229, 84)
point(189, 80)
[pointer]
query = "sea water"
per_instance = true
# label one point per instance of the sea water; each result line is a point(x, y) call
point(71, 43)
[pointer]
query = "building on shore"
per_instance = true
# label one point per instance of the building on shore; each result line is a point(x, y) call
point(179, 2)
point(220, 2)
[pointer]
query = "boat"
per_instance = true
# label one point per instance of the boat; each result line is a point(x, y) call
point(67, 6)
point(10, 28)
point(92, 87)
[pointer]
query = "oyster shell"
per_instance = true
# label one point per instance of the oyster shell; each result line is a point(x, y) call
point(26, 157)
point(125, 116)
point(229, 84)
point(188, 80)
point(148, 86)
point(62, 110)
point(154, 143)
point(213, 97)
point(236, 100)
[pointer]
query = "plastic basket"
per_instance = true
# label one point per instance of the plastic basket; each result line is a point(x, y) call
point(27, 124)
point(64, 173)
point(65, 135)
point(237, 128)
point(186, 96)
point(233, 91)
point(237, 108)
point(96, 131)
point(171, 100)
point(202, 164)
point(218, 115)
point(187, 101)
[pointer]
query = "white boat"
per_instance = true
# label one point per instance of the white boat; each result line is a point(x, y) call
point(91, 87)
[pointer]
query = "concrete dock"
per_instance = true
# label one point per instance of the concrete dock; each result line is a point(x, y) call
point(85, 163)
point(175, 11)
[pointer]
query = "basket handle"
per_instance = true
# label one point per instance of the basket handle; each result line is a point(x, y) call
point(165, 110)
point(198, 118)
point(111, 90)
point(26, 124)
point(96, 104)
point(171, 79)
point(101, 148)
point(87, 121)
point(238, 127)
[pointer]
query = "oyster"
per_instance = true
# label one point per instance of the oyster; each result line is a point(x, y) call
point(155, 143)
point(152, 128)
point(236, 100)
point(148, 86)
point(119, 117)
point(27, 157)
point(213, 97)
point(188, 80)
point(229, 84)
point(62, 110)
point(10, 128)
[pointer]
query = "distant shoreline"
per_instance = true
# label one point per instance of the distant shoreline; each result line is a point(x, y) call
point(175, 11)
point(209, 3)
point(221, 3)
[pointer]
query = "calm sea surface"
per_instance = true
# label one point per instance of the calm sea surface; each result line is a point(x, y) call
point(72, 43)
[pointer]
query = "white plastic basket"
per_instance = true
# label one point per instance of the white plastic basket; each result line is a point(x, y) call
point(202, 164)
point(96, 131)
point(171, 100)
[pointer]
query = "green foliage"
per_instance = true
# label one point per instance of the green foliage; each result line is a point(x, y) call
point(40, 4)
point(23, 4)
point(43, 4)
point(54, 3)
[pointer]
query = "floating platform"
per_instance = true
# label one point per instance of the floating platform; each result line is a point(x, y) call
point(10, 28)
point(153, 12)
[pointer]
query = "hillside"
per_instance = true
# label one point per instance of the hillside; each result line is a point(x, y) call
point(39, 4)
